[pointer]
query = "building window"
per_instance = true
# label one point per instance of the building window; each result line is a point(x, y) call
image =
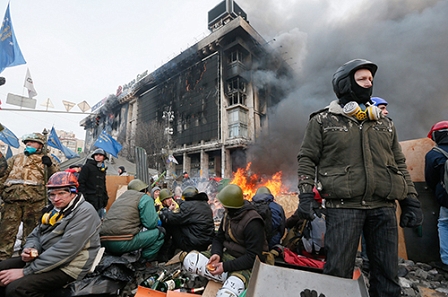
point(236, 91)
point(237, 122)
point(236, 56)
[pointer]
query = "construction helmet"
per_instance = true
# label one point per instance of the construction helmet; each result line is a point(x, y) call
point(137, 185)
point(341, 78)
point(37, 137)
point(440, 126)
point(99, 151)
point(263, 190)
point(231, 196)
point(62, 179)
point(189, 192)
point(378, 101)
point(165, 194)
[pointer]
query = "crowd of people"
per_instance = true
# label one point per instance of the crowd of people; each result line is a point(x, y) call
point(350, 158)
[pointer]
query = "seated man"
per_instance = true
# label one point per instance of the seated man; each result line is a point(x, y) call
point(192, 226)
point(241, 234)
point(123, 231)
point(167, 202)
point(277, 214)
point(61, 249)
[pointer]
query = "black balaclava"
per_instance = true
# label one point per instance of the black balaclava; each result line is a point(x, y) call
point(359, 94)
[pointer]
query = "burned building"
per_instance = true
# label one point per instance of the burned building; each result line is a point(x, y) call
point(206, 105)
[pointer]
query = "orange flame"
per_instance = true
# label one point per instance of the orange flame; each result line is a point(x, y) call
point(250, 182)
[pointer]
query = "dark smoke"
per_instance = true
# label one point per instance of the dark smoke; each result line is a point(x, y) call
point(407, 39)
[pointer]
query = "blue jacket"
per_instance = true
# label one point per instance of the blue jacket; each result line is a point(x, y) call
point(278, 217)
point(434, 170)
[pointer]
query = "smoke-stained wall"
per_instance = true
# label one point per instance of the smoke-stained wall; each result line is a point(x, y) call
point(193, 96)
point(406, 38)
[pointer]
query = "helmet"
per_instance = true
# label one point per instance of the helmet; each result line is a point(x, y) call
point(99, 151)
point(440, 126)
point(37, 137)
point(165, 194)
point(341, 78)
point(378, 101)
point(189, 192)
point(231, 196)
point(137, 185)
point(263, 190)
point(62, 179)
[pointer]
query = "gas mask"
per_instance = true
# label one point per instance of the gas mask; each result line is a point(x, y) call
point(101, 166)
point(29, 150)
point(362, 112)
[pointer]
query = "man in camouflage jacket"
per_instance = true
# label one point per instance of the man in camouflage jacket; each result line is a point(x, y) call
point(22, 188)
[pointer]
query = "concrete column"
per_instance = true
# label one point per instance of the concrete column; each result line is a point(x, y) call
point(204, 163)
point(226, 163)
point(186, 163)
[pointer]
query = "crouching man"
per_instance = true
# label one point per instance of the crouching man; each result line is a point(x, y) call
point(242, 236)
point(131, 223)
point(61, 249)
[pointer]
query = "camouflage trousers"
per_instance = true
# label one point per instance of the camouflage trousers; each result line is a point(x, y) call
point(11, 215)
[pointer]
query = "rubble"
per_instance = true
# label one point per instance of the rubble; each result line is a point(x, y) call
point(413, 277)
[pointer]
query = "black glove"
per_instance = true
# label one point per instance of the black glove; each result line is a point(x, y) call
point(308, 207)
point(46, 161)
point(308, 293)
point(411, 212)
point(162, 230)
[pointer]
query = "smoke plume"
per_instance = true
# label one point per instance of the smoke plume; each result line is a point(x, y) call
point(407, 39)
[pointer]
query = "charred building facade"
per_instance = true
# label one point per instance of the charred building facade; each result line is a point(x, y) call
point(206, 100)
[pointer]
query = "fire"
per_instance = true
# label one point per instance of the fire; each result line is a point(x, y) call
point(250, 182)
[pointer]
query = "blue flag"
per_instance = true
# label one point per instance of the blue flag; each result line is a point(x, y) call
point(53, 141)
point(9, 138)
point(10, 54)
point(107, 143)
point(8, 153)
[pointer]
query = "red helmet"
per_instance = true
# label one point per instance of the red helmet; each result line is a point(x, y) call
point(62, 179)
point(437, 127)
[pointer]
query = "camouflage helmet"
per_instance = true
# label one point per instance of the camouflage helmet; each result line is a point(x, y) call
point(165, 194)
point(99, 151)
point(263, 190)
point(137, 185)
point(231, 196)
point(37, 137)
point(189, 192)
point(62, 179)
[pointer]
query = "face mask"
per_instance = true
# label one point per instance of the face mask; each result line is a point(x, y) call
point(29, 150)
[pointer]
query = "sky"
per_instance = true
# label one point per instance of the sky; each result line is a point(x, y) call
point(83, 50)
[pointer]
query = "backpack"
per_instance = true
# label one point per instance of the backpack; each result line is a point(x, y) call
point(263, 209)
point(307, 238)
point(445, 175)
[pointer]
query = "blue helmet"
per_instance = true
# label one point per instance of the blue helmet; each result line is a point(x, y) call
point(378, 101)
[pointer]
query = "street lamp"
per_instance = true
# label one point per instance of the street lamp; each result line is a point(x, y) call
point(168, 116)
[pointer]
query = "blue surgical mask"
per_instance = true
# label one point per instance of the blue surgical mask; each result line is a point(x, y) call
point(29, 150)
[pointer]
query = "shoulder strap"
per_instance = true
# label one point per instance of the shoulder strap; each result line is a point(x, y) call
point(438, 149)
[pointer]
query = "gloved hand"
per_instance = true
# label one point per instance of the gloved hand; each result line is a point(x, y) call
point(308, 206)
point(46, 161)
point(308, 293)
point(411, 212)
point(162, 230)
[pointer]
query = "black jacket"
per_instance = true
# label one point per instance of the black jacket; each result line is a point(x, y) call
point(434, 171)
point(92, 184)
point(253, 234)
point(193, 224)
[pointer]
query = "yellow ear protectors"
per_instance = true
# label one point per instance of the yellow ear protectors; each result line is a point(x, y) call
point(371, 112)
point(51, 218)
